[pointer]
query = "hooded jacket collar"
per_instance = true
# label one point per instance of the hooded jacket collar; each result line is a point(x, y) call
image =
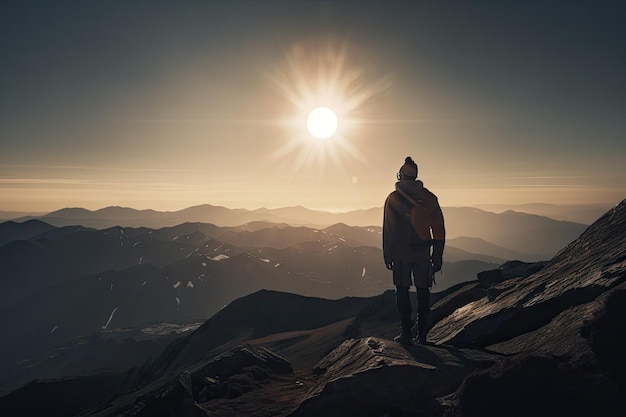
point(410, 187)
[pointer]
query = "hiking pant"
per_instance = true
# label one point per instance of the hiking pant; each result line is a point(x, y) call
point(405, 274)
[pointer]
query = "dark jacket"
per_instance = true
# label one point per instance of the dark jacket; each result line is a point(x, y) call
point(400, 241)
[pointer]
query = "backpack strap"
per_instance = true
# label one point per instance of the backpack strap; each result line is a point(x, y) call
point(408, 197)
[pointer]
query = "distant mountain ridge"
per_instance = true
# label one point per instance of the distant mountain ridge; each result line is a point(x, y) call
point(577, 213)
point(11, 230)
point(532, 235)
point(481, 246)
point(205, 213)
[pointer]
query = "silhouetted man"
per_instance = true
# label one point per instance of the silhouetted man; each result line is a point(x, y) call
point(413, 241)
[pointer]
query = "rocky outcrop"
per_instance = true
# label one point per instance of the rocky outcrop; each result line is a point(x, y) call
point(229, 375)
point(546, 311)
point(509, 270)
point(460, 295)
point(607, 337)
point(374, 377)
point(533, 385)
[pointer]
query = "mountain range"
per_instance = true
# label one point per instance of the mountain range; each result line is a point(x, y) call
point(534, 237)
point(63, 284)
point(577, 213)
point(297, 215)
point(525, 339)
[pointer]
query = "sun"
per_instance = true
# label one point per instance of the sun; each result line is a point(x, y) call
point(327, 90)
point(322, 122)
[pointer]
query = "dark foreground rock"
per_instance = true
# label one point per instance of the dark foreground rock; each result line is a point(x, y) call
point(374, 377)
point(532, 385)
point(60, 397)
point(228, 376)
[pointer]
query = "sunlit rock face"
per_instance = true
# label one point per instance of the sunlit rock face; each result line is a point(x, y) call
point(547, 310)
point(509, 270)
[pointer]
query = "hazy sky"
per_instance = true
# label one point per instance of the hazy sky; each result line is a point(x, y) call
point(164, 105)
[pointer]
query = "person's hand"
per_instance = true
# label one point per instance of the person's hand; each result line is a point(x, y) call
point(436, 258)
point(389, 265)
point(436, 264)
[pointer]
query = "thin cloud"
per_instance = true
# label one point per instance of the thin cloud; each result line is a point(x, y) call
point(209, 121)
point(556, 177)
point(41, 181)
point(555, 186)
point(93, 168)
point(65, 182)
point(420, 121)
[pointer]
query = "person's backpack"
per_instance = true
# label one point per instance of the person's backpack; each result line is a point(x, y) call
point(425, 218)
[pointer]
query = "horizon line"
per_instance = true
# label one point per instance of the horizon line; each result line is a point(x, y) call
point(299, 206)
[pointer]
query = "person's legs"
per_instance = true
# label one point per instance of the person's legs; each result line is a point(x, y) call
point(404, 308)
point(422, 277)
point(403, 301)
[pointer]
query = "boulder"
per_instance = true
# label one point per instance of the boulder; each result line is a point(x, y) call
point(509, 270)
point(374, 377)
point(227, 376)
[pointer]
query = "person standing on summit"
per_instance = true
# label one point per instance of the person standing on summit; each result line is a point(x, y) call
point(413, 242)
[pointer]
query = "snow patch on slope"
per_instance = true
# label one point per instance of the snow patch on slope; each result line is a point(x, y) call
point(110, 318)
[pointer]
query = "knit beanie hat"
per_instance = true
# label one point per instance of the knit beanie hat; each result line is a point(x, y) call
point(409, 168)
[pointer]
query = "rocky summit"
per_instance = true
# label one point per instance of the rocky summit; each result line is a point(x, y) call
point(372, 376)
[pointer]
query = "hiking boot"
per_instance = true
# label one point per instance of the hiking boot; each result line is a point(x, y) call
point(421, 335)
point(405, 324)
point(404, 339)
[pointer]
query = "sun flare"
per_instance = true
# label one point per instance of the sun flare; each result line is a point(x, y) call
point(327, 90)
point(322, 122)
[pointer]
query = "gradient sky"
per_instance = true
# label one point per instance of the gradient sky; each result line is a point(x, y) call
point(165, 105)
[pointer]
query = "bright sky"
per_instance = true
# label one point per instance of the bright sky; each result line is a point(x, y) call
point(166, 105)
